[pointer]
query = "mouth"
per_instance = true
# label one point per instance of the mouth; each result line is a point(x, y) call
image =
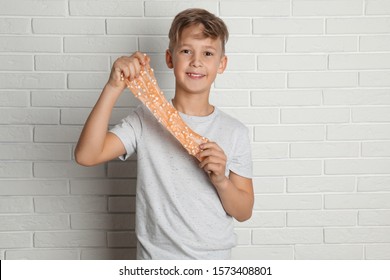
point(195, 75)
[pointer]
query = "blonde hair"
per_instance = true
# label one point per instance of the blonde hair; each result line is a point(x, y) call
point(214, 27)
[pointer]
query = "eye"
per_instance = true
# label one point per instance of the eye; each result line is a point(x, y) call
point(208, 54)
point(185, 51)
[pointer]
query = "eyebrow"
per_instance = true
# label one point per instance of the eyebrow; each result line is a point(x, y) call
point(204, 47)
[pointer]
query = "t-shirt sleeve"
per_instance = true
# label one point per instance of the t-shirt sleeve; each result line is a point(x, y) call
point(241, 159)
point(129, 132)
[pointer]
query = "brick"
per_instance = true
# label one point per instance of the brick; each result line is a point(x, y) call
point(289, 133)
point(362, 25)
point(287, 26)
point(322, 79)
point(34, 152)
point(34, 222)
point(327, 8)
point(16, 133)
point(126, 169)
point(321, 218)
point(57, 134)
point(263, 253)
point(105, 8)
point(14, 99)
point(122, 239)
point(371, 114)
point(70, 239)
point(121, 204)
point(320, 184)
point(250, 80)
point(255, 116)
point(66, 169)
point(144, 26)
point(268, 185)
point(287, 167)
point(103, 187)
point(321, 44)
point(87, 80)
point(378, 252)
point(292, 62)
point(287, 236)
point(103, 221)
point(15, 25)
point(357, 201)
point(374, 43)
point(71, 62)
point(108, 254)
point(104, 44)
point(39, 8)
point(357, 166)
point(252, 44)
point(35, 44)
point(15, 170)
point(359, 61)
point(33, 187)
point(42, 254)
point(374, 218)
point(269, 150)
point(243, 236)
point(16, 205)
point(288, 202)
point(329, 252)
point(374, 79)
point(29, 116)
point(357, 235)
point(373, 183)
point(68, 26)
point(237, 26)
point(359, 132)
point(16, 240)
point(229, 98)
point(317, 115)
point(16, 62)
point(156, 44)
point(324, 150)
point(263, 219)
point(377, 7)
point(286, 98)
point(356, 97)
point(238, 62)
point(171, 8)
point(70, 204)
point(255, 8)
point(32, 80)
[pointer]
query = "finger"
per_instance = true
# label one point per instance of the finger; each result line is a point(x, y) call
point(210, 145)
point(142, 58)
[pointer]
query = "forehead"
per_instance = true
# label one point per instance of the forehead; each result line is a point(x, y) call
point(196, 32)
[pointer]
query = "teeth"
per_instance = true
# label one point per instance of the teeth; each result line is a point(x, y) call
point(195, 75)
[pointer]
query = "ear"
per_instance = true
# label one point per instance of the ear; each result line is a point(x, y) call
point(222, 64)
point(168, 59)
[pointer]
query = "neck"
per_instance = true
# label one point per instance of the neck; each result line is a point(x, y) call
point(192, 105)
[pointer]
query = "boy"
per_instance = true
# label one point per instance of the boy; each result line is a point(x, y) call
point(184, 208)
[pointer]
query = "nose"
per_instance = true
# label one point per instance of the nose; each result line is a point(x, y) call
point(196, 60)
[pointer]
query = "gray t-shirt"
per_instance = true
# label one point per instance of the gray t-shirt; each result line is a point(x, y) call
point(178, 212)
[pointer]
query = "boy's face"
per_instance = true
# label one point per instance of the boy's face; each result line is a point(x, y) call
point(196, 60)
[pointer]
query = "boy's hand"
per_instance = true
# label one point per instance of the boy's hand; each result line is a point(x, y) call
point(126, 67)
point(214, 162)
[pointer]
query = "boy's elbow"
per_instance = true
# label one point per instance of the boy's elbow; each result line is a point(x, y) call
point(82, 160)
point(244, 217)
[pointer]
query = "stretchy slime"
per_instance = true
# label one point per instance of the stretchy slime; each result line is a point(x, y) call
point(146, 89)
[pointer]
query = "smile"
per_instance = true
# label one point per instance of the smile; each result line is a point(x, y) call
point(195, 75)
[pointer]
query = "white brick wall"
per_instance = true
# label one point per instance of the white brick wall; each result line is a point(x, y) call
point(311, 79)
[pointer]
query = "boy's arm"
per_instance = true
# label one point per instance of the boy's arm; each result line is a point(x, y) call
point(95, 144)
point(236, 192)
